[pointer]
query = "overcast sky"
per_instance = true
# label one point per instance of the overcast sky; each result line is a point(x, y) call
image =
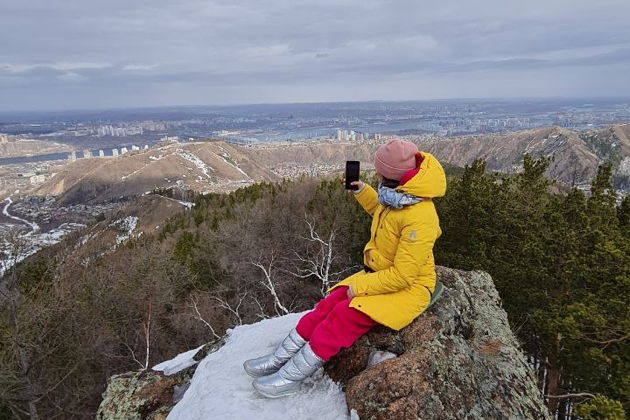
point(64, 54)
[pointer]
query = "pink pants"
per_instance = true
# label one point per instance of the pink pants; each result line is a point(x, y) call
point(333, 324)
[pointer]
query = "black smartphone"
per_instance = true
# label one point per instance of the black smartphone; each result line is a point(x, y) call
point(352, 174)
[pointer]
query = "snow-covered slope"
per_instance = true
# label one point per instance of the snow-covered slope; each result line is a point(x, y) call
point(220, 389)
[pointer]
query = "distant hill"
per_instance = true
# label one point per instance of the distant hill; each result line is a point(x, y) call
point(14, 148)
point(211, 166)
point(202, 167)
point(576, 156)
point(218, 166)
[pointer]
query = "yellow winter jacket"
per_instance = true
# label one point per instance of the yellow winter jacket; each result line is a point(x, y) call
point(400, 251)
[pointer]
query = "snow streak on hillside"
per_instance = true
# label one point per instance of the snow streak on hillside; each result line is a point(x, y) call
point(220, 388)
point(195, 160)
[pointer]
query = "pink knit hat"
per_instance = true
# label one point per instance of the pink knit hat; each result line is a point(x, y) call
point(395, 158)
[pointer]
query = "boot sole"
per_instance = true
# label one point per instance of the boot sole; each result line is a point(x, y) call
point(286, 394)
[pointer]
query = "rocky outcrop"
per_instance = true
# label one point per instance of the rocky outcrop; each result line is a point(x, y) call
point(141, 395)
point(148, 394)
point(458, 360)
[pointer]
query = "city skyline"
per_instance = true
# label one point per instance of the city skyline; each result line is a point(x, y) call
point(116, 54)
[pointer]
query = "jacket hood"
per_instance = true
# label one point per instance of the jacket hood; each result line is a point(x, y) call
point(429, 180)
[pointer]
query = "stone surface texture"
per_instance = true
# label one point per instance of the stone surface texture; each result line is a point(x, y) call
point(458, 360)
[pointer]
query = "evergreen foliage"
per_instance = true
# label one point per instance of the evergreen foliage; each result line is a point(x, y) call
point(561, 264)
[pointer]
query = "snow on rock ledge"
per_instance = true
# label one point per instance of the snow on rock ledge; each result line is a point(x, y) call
point(220, 388)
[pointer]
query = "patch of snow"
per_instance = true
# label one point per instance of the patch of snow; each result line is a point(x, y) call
point(186, 204)
point(55, 235)
point(178, 363)
point(195, 160)
point(220, 388)
point(379, 356)
point(226, 157)
point(128, 224)
point(624, 166)
point(35, 242)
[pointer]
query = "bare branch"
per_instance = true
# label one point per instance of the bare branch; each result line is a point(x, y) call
point(133, 355)
point(270, 286)
point(147, 333)
point(320, 263)
point(262, 314)
point(235, 311)
point(194, 306)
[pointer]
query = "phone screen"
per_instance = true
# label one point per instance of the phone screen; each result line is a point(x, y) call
point(352, 174)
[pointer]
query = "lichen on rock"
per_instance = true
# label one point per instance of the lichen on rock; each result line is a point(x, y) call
point(147, 394)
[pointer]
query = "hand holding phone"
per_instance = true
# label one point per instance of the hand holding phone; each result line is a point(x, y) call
point(352, 174)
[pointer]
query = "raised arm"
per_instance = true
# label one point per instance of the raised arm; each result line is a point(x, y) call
point(368, 198)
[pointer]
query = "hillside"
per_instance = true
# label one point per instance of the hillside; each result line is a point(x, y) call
point(133, 290)
point(573, 161)
point(13, 148)
point(218, 166)
point(202, 167)
point(213, 166)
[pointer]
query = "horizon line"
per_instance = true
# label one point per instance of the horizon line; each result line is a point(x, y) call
point(234, 105)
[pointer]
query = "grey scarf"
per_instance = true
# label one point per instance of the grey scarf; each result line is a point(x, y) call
point(392, 198)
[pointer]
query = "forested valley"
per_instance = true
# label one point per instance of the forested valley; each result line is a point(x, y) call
point(559, 258)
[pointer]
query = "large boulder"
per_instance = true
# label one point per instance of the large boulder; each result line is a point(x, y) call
point(458, 360)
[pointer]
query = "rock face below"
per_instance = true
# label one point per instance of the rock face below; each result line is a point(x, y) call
point(139, 395)
point(147, 394)
point(459, 360)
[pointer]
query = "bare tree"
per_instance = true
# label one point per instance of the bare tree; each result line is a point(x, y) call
point(269, 284)
point(21, 347)
point(234, 310)
point(319, 261)
point(194, 305)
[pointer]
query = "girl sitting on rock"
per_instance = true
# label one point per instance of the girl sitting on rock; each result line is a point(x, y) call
point(395, 285)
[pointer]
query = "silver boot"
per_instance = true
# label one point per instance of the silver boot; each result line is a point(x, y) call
point(289, 378)
point(266, 365)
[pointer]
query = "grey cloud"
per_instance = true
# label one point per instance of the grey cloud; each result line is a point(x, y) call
point(265, 50)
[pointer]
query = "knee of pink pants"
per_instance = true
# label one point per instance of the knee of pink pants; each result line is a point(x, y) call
point(309, 321)
point(340, 329)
